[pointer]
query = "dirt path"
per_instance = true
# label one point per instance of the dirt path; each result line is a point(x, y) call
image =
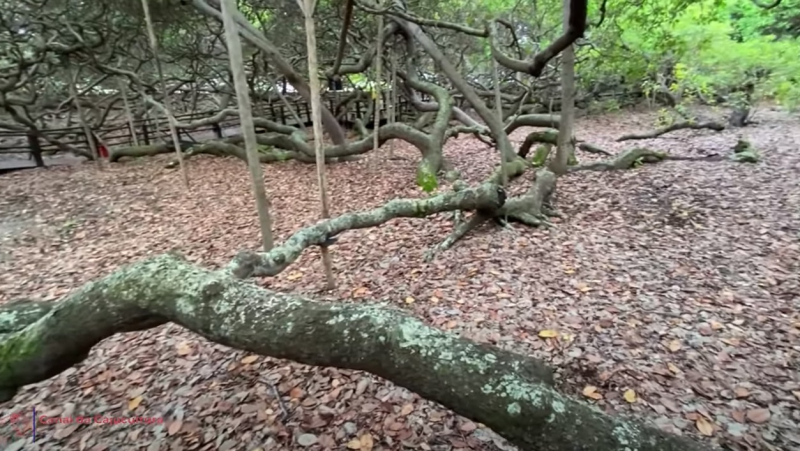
point(677, 281)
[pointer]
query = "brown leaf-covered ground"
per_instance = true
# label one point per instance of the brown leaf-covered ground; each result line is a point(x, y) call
point(678, 281)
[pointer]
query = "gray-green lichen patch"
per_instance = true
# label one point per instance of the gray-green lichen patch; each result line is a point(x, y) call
point(514, 409)
point(7, 319)
point(627, 434)
point(430, 342)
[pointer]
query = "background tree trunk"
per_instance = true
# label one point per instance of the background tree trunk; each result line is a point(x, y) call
point(308, 7)
point(378, 92)
point(246, 119)
point(566, 148)
point(498, 103)
point(393, 110)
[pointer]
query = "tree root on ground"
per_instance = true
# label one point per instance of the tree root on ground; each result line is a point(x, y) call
point(460, 230)
point(716, 126)
point(636, 156)
point(530, 209)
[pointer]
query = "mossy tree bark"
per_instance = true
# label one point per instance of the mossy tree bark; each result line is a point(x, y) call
point(509, 392)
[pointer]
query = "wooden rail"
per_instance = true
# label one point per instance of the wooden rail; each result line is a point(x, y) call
point(148, 129)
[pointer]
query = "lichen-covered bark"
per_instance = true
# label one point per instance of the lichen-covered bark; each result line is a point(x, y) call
point(509, 392)
point(18, 314)
point(247, 264)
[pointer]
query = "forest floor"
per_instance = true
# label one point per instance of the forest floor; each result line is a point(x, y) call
point(679, 281)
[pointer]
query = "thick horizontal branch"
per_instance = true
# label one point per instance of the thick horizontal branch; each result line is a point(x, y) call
point(632, 157)
point(288, 146)
point(487, 196)
point(510, 393)
point(533, 120)
point(478, 32)
point(671, 128)
point(551, 137)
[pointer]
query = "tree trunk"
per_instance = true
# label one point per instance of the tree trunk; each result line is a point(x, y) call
point(498, 103)
point(167, 104)
point(246, 120)
point(566, 146)
point(510, 393)
point(308, 7)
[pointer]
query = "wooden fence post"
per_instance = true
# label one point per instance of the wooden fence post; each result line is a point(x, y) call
point(145, 135)
point(36, 149)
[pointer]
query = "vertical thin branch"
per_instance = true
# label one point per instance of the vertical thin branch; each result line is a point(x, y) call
point(73, 92)
point(565, 130)
point(498, 101)
point(167, 104)
point(308, 7)
point(128, 113)
point(228, 7)
point(377, 91)
point(393, 110)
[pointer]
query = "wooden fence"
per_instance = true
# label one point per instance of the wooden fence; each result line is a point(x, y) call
point(151, 130)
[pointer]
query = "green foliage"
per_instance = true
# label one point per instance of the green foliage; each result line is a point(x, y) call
point(664, 118)
point(540, 156)
point(744, 152)
point(256, 16)
point(426, 178)
point(699, 50)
